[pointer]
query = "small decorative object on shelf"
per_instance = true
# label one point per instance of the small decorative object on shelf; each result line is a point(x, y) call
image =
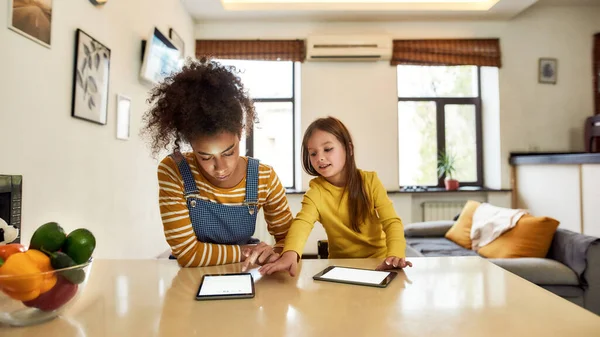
point(447, 168)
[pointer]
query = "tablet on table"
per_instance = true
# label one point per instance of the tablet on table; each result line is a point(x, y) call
point(358, 276)
point(225, 286)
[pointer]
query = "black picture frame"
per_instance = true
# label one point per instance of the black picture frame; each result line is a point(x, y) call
point(177, 41)
point(91, 75)
point(547, 70)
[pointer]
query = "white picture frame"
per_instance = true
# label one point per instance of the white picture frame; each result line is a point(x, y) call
point(32, 20)
point(123, 117)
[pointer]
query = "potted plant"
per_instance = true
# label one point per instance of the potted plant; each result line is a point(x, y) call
point(447, 168)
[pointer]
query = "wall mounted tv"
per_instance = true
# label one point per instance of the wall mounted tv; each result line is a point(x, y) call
point(160, 58)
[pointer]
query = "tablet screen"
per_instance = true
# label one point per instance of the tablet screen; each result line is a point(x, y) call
point(356, 275)
point(226, 285)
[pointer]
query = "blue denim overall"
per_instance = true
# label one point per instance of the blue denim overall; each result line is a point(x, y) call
point(218, 223)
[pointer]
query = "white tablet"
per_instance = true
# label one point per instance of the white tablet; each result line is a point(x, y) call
point(363, 277)
point(225, 286)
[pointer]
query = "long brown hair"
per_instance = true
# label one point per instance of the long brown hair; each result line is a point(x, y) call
point(358, 203)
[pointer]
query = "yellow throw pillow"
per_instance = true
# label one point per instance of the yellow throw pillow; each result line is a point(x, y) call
point(460, 232)
point(531, 237)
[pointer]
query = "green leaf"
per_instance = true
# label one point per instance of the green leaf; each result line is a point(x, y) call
point(84, 64)
point(91, 103)
point(97, 61)
point(90, 61)
point(86, 50)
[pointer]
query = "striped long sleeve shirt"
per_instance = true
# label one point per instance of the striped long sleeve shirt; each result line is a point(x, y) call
point(179, 233)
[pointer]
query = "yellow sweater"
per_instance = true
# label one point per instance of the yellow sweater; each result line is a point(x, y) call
point(176, 220)
point(381, 236)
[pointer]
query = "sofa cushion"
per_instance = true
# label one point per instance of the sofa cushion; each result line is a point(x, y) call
point(539, 271)
point(435, 229)
point(572, 293)
point(531, 237)
point(438, 247)
point(460, 232)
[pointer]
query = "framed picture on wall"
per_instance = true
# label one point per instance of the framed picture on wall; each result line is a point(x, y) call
point(123, 117)
point(90, 79)
point(547, 69)
point(32, 19)
point(177, 41)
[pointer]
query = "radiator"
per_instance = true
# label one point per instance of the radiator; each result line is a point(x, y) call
point(441, 210)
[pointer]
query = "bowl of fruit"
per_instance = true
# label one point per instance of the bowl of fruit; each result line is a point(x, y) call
point(40, 281)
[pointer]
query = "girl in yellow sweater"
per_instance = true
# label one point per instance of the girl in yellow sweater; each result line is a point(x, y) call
point(353, 206)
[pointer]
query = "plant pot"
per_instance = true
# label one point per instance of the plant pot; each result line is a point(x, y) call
point(451, 184)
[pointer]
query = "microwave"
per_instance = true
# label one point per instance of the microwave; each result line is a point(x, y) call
point(11, 188)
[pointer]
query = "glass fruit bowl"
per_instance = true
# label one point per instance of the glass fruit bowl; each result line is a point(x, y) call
point(29, 299)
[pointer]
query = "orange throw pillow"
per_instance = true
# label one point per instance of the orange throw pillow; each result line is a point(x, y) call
point(531, 237)
point(460, 232)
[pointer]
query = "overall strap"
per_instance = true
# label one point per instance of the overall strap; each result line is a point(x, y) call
point(252, 182)
point(189, 183)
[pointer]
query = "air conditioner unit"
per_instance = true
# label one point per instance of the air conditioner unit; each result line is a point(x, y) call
point(348, 48)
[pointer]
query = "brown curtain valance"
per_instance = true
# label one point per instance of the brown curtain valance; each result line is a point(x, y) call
point(478, 52)
point(265, 50)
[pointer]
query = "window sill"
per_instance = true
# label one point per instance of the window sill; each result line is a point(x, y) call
point(464, 189)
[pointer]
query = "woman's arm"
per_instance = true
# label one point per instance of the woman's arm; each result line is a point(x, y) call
point(178, 227)
point(390, 221)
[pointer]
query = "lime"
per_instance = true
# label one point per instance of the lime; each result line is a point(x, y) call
point(60, 260)
point(80, 245)
point(49, 237)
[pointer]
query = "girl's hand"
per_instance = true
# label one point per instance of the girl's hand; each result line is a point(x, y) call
point(393, 262)
point(288, 262)
point(257, 254)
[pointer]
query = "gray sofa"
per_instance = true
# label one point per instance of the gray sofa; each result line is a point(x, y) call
point(571, 269)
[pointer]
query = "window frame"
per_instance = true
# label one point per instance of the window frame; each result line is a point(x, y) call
point(292, 99)
point(440, 103)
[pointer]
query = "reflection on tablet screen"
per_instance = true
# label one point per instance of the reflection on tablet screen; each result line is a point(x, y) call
point(356, 275)
point(226, 285)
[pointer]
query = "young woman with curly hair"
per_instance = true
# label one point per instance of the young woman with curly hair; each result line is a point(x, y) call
point(209, 198)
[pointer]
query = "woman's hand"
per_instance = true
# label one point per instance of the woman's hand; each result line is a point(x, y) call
point(288, 262)
point(257, 254)
point(393, 262)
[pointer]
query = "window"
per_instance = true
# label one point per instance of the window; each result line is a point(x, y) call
point(271, 85)
point(439, 109)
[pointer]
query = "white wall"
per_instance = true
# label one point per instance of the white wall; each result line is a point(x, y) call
point(532, 116)
point(76, 172)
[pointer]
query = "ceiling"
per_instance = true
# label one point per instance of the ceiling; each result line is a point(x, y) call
point(357, 10)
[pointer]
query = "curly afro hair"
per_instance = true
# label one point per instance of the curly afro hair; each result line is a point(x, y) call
point(205, 98)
